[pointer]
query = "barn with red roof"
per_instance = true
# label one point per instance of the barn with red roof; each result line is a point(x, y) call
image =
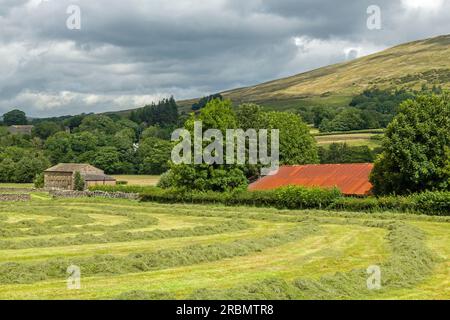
point(350, 179)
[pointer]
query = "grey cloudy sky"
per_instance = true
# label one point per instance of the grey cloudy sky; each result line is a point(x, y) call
point(130, 53)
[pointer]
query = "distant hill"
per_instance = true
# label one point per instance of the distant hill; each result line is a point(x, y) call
point(409, 65)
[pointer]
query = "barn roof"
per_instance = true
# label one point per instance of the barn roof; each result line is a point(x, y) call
point(74, 167)
point(351, 179)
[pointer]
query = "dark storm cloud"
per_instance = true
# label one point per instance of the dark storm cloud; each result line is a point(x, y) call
point(129, 53)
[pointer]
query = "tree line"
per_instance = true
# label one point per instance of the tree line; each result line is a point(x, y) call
point(137, 143)
point(415, 153)
point(374, 108)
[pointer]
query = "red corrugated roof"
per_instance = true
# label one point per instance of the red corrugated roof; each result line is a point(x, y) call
point(351, 179)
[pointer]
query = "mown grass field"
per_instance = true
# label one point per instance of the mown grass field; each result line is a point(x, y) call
point(127, 249)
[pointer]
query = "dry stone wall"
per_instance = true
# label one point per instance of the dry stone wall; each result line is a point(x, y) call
point(102, 194)
point(14, 197)
point(6, 190)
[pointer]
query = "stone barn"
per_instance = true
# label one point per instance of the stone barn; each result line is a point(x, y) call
point(25, 129)
point(62, 175)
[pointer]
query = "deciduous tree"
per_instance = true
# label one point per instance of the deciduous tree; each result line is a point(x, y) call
point(415, 150)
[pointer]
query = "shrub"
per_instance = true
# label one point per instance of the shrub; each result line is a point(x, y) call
point(255, 198)
point(290, 197)
point(433, 202)
point(120, 188)
point(294, 197)
point(39, 181)
point(121, 183)
point(78, 182)
point(397, 203)
point(166, 180)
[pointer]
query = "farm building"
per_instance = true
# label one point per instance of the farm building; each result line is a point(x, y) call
point(24, 129)
point(350, 179)
point(62, 175)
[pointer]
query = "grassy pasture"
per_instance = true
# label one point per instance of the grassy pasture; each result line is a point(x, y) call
point(352, 139)
point(138, 180)
point(16, 185)
point(127, 249)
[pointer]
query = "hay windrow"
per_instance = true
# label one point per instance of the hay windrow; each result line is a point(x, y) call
point(409, 264)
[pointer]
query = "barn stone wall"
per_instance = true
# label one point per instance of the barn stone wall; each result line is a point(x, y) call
point(58, 180)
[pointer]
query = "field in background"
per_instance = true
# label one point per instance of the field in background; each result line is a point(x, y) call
point(372, 140)
point(16, 185)
point(138, 180)
point(127, 249)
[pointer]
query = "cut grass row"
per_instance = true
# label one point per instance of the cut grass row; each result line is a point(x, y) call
point(124, 236)
point(141, 262)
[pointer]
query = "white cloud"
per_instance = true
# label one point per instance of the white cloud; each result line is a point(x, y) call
point(133, 52)
point(422, 4)
point(317, 52)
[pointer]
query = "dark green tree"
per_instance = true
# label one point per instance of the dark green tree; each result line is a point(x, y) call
point(346, 120)
point(164, 113)
point(218, 114)
point(99, 123)
point(15, 117)
point(205, 100)
point(78, 182)
point(297, 145)
point(415, 153)
point(249, 116)
point(343, 153)
point(154, 155)
point(59, 148)
point(21, 165)
point(321, 114)
point(46, 129)
point(107, 159)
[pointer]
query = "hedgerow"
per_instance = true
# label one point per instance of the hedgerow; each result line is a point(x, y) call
point(290, 197)
point(436, 202)
point(120, 188)
point(293, 197)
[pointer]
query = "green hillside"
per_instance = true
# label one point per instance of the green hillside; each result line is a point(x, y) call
point(408, 65)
